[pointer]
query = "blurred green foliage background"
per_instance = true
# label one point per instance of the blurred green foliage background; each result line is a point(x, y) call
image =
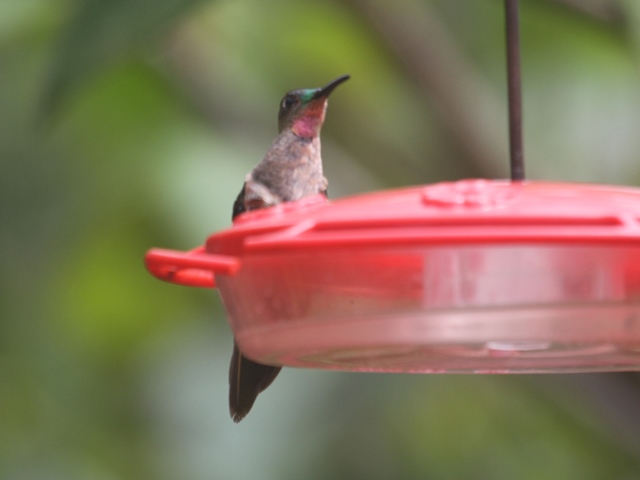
point(127, 124)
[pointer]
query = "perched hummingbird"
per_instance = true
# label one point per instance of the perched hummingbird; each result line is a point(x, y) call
point(290, 170)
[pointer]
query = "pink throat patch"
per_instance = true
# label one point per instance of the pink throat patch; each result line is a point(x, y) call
point(309, 123)
point(306, 126)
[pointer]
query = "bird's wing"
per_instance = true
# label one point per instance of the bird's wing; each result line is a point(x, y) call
point(239, 206)
point(253, 196)
point(246, 380)
point(246, 377)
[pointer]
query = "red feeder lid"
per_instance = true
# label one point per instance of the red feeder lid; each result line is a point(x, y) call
point(473, 276)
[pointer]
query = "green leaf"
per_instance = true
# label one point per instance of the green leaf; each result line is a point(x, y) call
point(100, 32)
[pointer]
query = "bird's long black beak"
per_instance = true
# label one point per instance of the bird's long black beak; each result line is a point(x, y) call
point(324, 92)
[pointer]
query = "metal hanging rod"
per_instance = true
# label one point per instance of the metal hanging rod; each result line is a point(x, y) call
point(514, 81)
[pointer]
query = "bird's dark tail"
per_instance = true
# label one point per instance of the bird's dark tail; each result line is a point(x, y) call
point(246, 380)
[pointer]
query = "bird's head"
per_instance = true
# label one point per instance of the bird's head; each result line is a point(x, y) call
point(303, 110)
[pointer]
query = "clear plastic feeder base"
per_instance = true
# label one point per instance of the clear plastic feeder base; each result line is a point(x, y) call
point(485, 309)
point(448, 342)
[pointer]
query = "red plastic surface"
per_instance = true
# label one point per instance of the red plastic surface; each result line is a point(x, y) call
point(193, 268)
point(466, 212)
point(472, 276)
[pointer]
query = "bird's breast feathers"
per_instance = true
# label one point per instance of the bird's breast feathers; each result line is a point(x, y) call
point(290, 171)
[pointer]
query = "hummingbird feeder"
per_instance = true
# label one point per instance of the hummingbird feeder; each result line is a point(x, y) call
point(474, 276)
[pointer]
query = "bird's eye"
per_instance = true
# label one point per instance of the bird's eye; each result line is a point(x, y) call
point(288, 102)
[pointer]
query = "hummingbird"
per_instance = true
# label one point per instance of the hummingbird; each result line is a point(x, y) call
point(290, 170)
